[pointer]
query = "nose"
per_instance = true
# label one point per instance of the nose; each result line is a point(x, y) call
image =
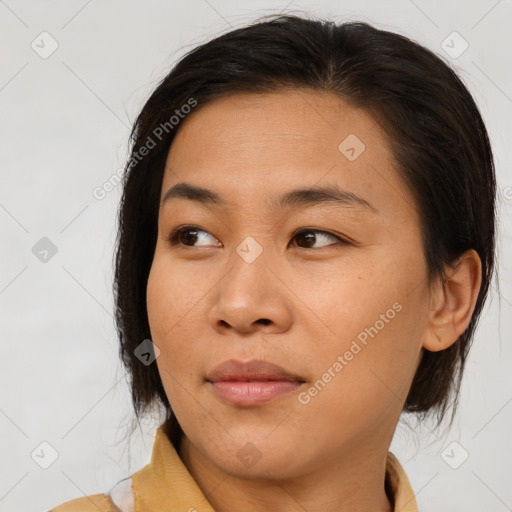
point(252, 298)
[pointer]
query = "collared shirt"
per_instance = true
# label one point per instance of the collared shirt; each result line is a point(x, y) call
point(166, 485)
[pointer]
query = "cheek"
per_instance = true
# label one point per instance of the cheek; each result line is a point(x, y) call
point(357, 387)
point(366, 351)
point(338, 306)
point(173, 319)
point(173, 298)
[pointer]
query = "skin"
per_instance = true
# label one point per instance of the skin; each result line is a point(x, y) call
point(206, 303)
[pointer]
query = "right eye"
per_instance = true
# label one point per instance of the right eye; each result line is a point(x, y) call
point(188, 236)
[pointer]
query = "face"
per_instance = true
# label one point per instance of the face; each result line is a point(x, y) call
point(330, 287)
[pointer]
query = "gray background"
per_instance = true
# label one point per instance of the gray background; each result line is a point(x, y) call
point(65, 121)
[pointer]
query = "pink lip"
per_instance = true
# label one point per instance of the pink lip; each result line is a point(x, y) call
point(252, 383)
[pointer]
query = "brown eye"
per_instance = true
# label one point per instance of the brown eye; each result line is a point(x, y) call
point(192, 236)
point(308, 238)
point(188, 236)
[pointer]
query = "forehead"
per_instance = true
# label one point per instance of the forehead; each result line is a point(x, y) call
point(283, 121)
point(248, 146)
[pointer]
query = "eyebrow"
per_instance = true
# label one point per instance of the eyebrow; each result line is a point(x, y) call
point(294, 199)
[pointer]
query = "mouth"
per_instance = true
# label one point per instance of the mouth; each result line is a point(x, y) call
point(252, 383)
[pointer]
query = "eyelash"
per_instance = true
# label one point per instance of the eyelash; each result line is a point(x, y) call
point(173, 237)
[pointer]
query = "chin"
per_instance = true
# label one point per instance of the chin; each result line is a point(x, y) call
point(253, 454)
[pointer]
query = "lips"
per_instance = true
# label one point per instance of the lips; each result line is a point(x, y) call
point(254, 370)
point(251, 383)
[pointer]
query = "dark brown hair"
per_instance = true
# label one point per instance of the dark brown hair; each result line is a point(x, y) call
point(436, 133)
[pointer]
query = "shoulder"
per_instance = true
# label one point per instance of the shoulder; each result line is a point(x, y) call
point(120, 499)
point(94, 503)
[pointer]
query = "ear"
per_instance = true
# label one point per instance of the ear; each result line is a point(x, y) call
point(453, 301)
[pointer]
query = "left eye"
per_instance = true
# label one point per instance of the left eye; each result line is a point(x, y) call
point(309, 237)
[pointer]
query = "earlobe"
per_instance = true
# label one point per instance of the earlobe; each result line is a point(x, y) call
point(453, 302)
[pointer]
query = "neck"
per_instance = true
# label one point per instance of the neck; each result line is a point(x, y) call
point(345, 483)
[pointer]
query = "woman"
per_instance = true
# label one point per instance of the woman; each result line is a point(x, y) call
point(306, 242)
